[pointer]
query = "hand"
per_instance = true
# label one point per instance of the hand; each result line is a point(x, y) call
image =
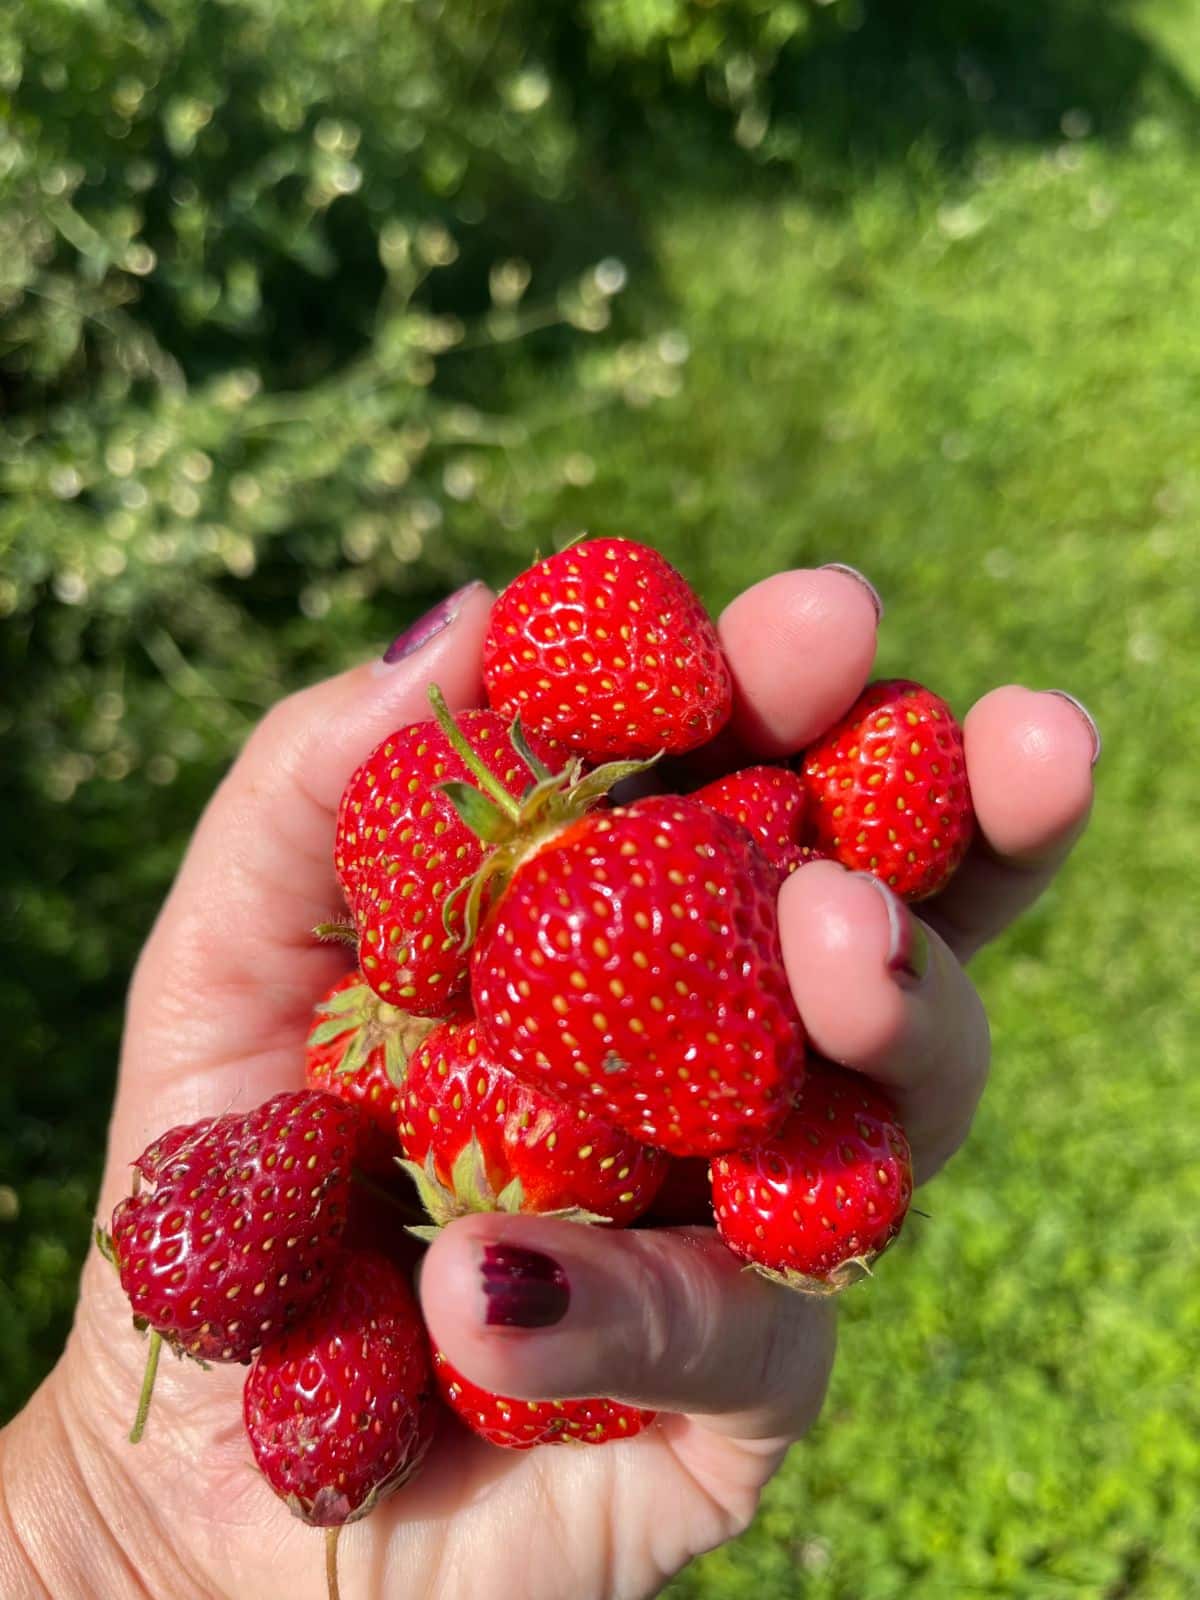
point(218, 1011)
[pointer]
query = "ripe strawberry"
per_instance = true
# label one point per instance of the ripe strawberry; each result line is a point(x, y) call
point(888, 790)
point(359, 1050)
point(522, 1424)
point(769, 802)
point(401, 849)
point(479, 1140)
point(341, 1408)
point(814, 1205)
point(231, 1229)
point(605, 647)
point(633, 967)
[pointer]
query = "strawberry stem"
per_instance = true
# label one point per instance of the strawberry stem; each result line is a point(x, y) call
point(474, 765)
point(336, 933)
point(331, 1562)
point(148, 1377)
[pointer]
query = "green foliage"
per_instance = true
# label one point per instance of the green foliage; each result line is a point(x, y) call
point(942, 324)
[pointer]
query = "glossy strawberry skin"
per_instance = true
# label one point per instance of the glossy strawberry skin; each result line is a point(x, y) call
point(633, 967)
point(358, 1051)
point(524, 1424)
point(770, 803)
point(828, 1193)
point(341, 1409)
point(605, 648)
point(401, 848)
point(887, 789)
point(234, 1229)
point(564, 1157)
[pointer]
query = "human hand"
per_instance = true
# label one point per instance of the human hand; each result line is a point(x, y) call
point(219, 1008)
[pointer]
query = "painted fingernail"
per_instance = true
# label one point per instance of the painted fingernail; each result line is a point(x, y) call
point(908, 943)
point(427, 627)
point(1087, 716)
point(853, 572)
point(523, 1288)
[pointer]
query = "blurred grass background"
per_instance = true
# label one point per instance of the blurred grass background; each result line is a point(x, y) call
point(310, 309)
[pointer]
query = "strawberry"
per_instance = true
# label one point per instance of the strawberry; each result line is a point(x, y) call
point(479, 1140)
point(888, 792)
point(341, 1408)
point(769, 802)
point(401, 849)
point(358, 1050)
point(605, 648)
point(231, 1229)
point(814, 1205)
point(633, 967)
point(522, 1424)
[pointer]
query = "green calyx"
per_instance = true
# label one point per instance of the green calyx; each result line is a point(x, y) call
point(470, 1190)
point(370, 1023)
point(514, 828)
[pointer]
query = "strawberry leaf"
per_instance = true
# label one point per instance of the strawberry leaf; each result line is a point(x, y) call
point(485, 820)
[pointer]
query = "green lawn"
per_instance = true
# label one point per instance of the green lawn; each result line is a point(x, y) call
point(951, 335)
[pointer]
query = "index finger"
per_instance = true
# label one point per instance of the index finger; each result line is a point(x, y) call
point(1030, 757)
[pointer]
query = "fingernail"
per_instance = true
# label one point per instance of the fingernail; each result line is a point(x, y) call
point(425, 628)
point(853, 572)
point(908, 943)
point(1087, 716)
point(523, 1288)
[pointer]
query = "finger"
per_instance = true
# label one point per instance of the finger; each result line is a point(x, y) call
point(225, 985)
point(883, 995)
point(1029, 757)
point(664, 1318)
point(800, 647)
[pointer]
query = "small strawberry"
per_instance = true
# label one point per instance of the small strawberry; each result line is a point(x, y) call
point(479, 1140)
point(341, 1408)
point(633, 967)
point(359, 1050)
point(769, 802)
point(888, 792)
point(402, 849)
point(814, 1205)
point(231, 1229)
point(605, 648)
point(522, 1424)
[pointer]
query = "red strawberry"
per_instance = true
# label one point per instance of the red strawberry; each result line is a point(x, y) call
point(888, 790)
point(769, 802)
point(633, 967)
point(231, 1230)
point(605, 648)
point(358, 1050)
point(401, 849)
point(479, 1140)
point(340, 1409)
point(814, 1205)
point(522, 1424)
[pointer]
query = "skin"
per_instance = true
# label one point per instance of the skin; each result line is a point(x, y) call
point(219, 1005)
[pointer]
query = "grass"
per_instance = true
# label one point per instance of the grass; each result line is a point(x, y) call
point(953, 338)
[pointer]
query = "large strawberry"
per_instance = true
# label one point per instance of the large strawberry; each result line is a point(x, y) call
point(605, 648)
point(477, 1139)
point(769, 802)
point(888, 788)
point(359, 1050)
point(232, 1227)
point(633, 967)
point(814, 1205)
point(522, 1424)
point(340, 1409)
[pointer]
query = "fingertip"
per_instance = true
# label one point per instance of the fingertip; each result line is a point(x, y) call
point(800, 645)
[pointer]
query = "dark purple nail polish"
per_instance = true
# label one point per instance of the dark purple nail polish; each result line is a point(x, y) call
point(853, 572)
point(424, 628)
point(1087, 717)
point(523, 1288)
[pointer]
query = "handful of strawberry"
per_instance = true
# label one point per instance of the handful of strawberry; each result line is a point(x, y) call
point(561, 1004)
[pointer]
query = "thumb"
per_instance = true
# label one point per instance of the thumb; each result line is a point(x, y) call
point(666, 1318)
